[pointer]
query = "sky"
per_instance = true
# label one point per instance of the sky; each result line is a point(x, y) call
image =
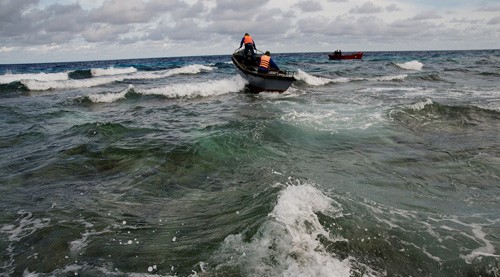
point(33, 31)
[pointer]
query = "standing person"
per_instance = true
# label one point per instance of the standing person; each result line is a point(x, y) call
point(249, 45)
point(266, 63)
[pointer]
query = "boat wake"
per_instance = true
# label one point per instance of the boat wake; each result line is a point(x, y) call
point(321, 81)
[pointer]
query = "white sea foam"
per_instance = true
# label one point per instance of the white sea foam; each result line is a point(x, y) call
point(42, 77)
point(198, 89)
point(25, 225)
point(420, 105)
point(333, 118)
point(109, 97)
point(413, 65)
point(109, 75)
point(289, 238)
point(70, 84)
point(312, 80)
point(486, 250)
point(320, 81)
point(112, 71)
point(389, 78)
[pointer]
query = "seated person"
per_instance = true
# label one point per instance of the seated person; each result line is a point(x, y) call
point(267, 63)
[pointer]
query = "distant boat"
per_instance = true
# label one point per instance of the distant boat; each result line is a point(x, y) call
point(275, 80)
point(348, 56)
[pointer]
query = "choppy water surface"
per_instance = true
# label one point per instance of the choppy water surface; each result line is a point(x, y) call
point(386, 166)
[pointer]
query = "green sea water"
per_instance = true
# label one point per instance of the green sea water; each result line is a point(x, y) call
point(385, 166)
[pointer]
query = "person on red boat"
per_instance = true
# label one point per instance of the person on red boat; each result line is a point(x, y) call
point(249, 45)
point(267, 63)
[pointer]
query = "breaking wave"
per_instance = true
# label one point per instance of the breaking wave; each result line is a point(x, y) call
point(289, 238)
point(188, 90)
point(110, 97)
point(87, 78)
point(110, 71)
point(192, 90)
point(413, 65)
point(42, 77)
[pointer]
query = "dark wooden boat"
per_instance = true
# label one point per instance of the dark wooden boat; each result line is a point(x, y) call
point(275, 80)
point(348, 56)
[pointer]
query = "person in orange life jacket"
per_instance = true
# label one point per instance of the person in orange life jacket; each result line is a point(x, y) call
point(249, 45)
point(266, 62)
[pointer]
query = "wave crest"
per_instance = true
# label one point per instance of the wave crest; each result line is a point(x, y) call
point(96, 77)
point(42, 77)
point(413, 65)
point(290, 238)
point(192, 90)
point(110, 71)
point(312, 80)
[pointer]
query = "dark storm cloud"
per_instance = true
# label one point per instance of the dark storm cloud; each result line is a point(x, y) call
point(12, 20)
point(27, 25)
point(11, 10)
point(187, 25)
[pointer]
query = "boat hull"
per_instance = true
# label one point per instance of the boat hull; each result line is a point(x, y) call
point(351, 56)
point(274, 81)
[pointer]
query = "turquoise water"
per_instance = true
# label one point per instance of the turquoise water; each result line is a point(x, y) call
point(385, 166)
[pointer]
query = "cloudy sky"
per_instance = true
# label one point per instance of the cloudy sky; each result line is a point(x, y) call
point(73, 30)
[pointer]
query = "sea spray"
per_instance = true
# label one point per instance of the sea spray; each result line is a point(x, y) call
point(289, 238)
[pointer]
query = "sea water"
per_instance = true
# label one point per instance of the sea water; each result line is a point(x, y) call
point(385, 166)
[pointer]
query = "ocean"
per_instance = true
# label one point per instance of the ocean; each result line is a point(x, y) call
point(385, 166)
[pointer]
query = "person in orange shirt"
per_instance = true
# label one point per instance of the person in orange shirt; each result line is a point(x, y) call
point(249, 45)
point(267, 63)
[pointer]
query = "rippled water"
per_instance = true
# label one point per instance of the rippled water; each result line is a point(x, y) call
point(386, 166)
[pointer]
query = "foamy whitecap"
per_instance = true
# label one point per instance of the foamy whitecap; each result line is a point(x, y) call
point(42, 77)
point(289, 238)
point(70, 84)
point(413, 65)
point(107, 76)
point(420, 105)
point(112, 71)
point(188, 69)
point(312, 80)
point(389, 78)
point(109, 97)
point(191, 90)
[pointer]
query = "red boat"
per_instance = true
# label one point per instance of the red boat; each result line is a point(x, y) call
point(350, 56)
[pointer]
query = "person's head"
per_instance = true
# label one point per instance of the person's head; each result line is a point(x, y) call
point(246, 34)
point(267, 53)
